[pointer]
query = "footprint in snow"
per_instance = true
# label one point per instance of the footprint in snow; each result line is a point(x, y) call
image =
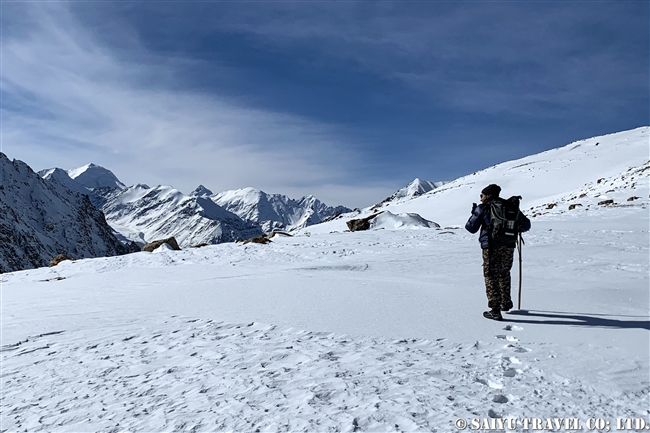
point(493, 414)
point(513, 328)
point(507, 337)
point(518, 348)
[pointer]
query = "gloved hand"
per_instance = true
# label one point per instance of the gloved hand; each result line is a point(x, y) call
point(473, 207)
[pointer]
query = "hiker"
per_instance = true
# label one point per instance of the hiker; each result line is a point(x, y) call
point(498, 252)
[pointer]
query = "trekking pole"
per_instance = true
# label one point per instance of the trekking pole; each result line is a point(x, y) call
point(519, 242)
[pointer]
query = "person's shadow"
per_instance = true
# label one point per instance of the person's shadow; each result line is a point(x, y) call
point(576, 319)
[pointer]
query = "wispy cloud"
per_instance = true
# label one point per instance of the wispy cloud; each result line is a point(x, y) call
point(70, 100)
point(493, 58)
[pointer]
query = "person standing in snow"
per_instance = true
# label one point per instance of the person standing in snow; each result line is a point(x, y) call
point(497, 256)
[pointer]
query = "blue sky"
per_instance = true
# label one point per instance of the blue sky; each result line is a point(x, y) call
point(347, 101)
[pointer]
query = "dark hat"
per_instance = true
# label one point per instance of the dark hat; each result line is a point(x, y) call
point(492, 190)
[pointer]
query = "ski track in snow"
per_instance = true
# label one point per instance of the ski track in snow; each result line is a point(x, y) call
point(199, 375)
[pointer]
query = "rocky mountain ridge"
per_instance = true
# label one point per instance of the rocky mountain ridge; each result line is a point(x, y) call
point(40, 219)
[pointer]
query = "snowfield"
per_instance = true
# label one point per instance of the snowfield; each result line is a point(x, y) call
point(371, 331)
point(380, 330)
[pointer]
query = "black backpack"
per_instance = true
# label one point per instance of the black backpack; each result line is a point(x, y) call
point(504, 228)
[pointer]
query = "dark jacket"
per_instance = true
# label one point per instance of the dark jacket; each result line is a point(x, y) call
point(480, 219)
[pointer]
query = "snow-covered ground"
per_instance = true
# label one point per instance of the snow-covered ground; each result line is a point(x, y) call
point(370, 331)
point(584, 173)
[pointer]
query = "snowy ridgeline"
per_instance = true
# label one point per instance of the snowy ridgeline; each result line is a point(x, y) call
point(370, 331)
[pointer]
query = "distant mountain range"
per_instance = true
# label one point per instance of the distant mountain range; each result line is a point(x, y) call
point(141, 214)
point(276, 211)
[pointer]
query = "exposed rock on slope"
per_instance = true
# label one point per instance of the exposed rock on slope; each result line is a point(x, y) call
point(356, 225)
point(41, 219)
point(155, 244)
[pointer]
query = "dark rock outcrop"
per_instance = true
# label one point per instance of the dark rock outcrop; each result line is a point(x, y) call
point(360, 224)
point(258, 240)
point(155, 244)
point(58, 259)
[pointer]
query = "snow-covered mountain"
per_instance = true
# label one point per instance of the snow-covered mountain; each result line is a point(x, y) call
point(143, 214)
point(93, 176)
point(201, 191)
point(415, 188)
point(40, 219)
point(276, 211)
point(62, 177)
point(97, 182)
point(577, 176)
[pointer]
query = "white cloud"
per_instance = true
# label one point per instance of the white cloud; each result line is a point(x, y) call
point(70, 101)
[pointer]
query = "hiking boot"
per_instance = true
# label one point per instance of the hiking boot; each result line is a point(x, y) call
point(493, 314)
point(507, 307)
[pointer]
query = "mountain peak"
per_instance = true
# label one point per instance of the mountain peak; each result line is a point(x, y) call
point(200, 191)
point(93, 176)
point(415, 188)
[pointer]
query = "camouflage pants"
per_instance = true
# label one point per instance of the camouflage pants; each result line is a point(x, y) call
point(497, 263)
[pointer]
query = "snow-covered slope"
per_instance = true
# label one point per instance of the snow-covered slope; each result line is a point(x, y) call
point(275, 210)
point(583, 174)
point(373, 331)
point(40, 219)
point(144, 214)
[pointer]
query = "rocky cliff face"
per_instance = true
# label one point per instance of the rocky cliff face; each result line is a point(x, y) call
point(41, 219)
